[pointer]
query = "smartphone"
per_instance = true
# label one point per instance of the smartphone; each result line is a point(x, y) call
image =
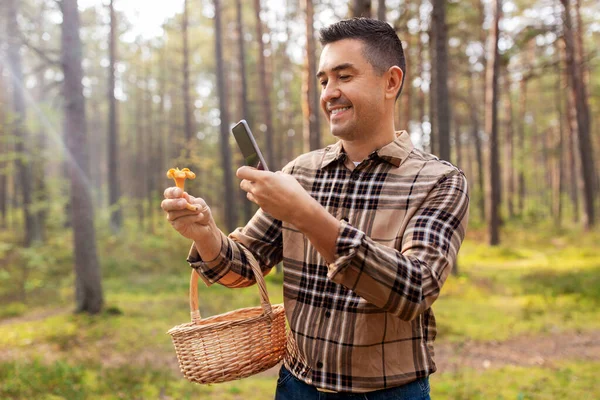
point(245, 140)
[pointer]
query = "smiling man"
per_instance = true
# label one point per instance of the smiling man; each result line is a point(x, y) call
point(368, 230)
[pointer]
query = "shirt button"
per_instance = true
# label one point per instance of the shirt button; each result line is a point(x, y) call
point(327, 314)
point(319, 364)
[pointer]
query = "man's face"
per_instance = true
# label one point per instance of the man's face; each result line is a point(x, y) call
point(352, 93)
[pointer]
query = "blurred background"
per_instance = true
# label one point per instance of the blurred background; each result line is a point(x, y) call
point(99, 98)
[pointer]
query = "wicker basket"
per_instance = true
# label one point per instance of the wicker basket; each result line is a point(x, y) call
point(233, 345)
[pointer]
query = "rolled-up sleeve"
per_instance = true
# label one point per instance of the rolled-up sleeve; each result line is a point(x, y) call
point(406, 281)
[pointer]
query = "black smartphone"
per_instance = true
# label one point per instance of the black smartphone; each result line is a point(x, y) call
point(245, 140)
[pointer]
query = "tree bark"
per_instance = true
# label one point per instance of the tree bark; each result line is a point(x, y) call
point(310, 95)
point(244, 106)
point(508, 150)
point(361, 8)
point(229, 196)
point(442, 104)
point(3, 151)
point(491, 127)
point(478, 147)
point(264, 88)
point(88, 287)
point(381, 11)
point(22, 137)
point(187, 106)
point(407, 92)
point(114, 188)
point(578, 89)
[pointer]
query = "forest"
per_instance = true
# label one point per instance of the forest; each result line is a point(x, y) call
point(99, 98)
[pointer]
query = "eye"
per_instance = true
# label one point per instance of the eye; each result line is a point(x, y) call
point(345, 77)
point(323, 83)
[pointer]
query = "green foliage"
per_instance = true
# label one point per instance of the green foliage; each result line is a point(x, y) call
point(562, 381)
point(540, 282)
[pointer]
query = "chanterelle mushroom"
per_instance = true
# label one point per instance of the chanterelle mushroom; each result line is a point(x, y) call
point(179, 176)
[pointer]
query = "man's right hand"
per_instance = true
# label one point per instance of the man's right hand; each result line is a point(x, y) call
point(196, 225)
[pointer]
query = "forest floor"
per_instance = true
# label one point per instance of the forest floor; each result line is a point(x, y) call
point(517, 322)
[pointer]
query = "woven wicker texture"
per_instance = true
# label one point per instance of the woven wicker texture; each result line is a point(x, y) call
point(233, 345)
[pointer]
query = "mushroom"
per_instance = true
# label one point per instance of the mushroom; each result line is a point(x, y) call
point(179, 176)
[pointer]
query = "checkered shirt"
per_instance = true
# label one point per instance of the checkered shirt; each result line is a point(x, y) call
point(363, 322)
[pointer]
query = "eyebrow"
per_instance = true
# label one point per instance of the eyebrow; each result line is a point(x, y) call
point(337, 68)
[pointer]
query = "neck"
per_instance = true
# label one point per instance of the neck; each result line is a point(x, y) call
point(359, 148)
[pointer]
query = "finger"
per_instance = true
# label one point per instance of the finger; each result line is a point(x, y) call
point(251, 174)
point(186, 221)
point(173, 204)
point(251, 197)
point(246, 185)
point(175, 215)
point(173, 193)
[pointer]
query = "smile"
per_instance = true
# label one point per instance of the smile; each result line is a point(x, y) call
point(338, 110)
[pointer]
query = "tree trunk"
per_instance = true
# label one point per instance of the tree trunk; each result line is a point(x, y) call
point(442, 104)
point(491, 127)
point(229, 193)
point(381, 11)
point(478, 147)
point(244, 106)
point(581, 111)
point(559, 170)
point(114, 189)
point(361, 8)
point(20, 132)
point(508, 150)
point(264, 88)
point(419, 72)
point(187, 106)
point(3, 151)
point(310, 95)
point(433, 113)
point(407, 91)
point(88, 287)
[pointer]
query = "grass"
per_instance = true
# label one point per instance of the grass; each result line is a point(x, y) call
point(536, 283)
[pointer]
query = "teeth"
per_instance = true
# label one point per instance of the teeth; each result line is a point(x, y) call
point(339, 110)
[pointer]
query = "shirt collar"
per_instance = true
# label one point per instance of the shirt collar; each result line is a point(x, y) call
point(394, 152)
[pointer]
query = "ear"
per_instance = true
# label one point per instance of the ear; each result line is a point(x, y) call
point(394, 77)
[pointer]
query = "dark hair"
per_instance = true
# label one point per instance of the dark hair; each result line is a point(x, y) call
point(383, 48)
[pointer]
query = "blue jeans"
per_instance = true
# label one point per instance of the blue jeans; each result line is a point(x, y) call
point(291, 388)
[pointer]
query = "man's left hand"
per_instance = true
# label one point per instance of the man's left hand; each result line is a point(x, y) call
point(278, 194)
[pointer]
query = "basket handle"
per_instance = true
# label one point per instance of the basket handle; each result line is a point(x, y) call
point(260, 282)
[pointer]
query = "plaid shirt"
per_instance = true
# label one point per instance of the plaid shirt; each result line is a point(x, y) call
point(364, 322)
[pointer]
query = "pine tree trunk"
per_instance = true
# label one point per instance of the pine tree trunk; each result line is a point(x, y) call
point(3, 152)
point(88, 287)
point(478, 148)
point(381, 11)
point(442, 105)
point(361, 8)
point(244, 106)
point(491, 127)
point(310, 96)
point(187, 106)
point(581, 112)
point(508, 151)
point(228, 190)
point(264, 89)
point(114, 188)
point(521, 157)
point(22, 137)
point(407, 91)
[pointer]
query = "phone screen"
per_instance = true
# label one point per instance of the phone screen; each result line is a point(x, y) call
point(245, 140)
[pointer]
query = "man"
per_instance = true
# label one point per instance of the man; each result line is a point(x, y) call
point(368, 230)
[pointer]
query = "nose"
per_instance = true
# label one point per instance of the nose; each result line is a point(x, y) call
point(330, 92)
